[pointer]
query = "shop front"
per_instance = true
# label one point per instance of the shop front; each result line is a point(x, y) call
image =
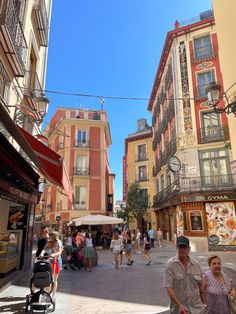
point(18, 197)
point(208, 220)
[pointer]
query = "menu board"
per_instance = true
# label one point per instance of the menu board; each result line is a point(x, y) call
point(16, 217)
point(221, 223)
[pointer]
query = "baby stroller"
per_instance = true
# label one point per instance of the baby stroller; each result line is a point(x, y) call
point(42, 277)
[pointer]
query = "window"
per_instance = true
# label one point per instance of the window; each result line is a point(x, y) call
point(196, 220)
point(203, 80)
point(142, 152)
point(211, 127)
point(162, 182)
point(80, 196)
point(81, 166)
point(142, 173)
point(215, 168)
point(82, 137)
point(203, 48)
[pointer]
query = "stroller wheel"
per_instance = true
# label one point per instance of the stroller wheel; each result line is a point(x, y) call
point(27, 304)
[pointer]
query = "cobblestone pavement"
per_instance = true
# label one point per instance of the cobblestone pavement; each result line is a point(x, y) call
point(129, 290)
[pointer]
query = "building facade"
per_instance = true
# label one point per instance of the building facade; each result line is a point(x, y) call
point(195, 190)
point(82, 138)
point(225, 33)
point(24, 27)
point(137, 168)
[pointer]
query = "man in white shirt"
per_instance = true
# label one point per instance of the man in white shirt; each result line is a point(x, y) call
point(151, 234)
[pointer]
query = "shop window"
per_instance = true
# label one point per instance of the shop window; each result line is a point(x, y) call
point(196, 220)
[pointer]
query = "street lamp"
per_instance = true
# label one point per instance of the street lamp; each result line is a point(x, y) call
point(42, 106)
point(213, 95)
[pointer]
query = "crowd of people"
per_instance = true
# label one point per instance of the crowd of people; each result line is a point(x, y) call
point(190, 291)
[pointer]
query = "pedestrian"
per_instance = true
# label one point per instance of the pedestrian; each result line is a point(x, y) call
point(42, 241)
point(88, 251)
point(79, 240)
point(218, 287)
point(53, 248)
point(151, 234)
point(183, 281)
point(146, 248)
point(122, 247)
point(159, 236)
point(116, 246)
point(128, 247)
point(138, 240)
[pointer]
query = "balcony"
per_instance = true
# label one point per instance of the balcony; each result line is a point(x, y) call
point(77, 171)
point(168, 152)
point(156, 169)
point(203, 53)
point(32, 86)
point(211, 184)
point(4, 85)
point(80, 205)
point(82, 144)
point(141, 157)
point(169, 77)
point(41, 22)
point(214, 133)
point(162, 94)
point(12, 36)
point(141, 178)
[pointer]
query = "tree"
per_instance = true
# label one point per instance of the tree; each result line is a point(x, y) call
point(137, 202)
point(123, 213)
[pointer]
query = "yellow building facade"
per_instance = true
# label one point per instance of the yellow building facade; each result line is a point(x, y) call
point(224, 13)
point(139, 161)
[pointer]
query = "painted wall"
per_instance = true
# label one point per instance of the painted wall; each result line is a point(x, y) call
point(226, 25)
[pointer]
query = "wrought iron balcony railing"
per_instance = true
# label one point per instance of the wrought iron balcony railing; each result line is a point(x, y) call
point(141, 178)
point(41, 21)
point(4, 84)
point(32, 86)
point(156, 168)
point(213, 133)
point(12, 36)
point(169, 76)
point(195, 185)
point(82, 144)
point(81, 171)
point(141, 157)
point(205, 52)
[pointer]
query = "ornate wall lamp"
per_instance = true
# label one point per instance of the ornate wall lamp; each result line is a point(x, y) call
point(213, 95)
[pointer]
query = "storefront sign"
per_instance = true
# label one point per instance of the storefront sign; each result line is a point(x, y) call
point(221, 224)
point(217, 198)
point(16, 218)
point(190, 199)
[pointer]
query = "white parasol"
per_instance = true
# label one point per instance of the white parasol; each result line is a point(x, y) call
point(96, 220)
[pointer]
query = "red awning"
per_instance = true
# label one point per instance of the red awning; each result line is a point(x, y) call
point(50, 164)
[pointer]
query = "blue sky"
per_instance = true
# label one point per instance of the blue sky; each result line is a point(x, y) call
point(111, 47)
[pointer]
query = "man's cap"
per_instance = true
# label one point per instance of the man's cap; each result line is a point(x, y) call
point(182, 241)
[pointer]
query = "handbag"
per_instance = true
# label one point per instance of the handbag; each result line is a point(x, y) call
point(232, 304)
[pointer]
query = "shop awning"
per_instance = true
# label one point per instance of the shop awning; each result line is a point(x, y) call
point(50, 164)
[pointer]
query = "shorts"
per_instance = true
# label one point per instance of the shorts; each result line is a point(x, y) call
point(128, 247)
point(88, 252)
point(55, 268)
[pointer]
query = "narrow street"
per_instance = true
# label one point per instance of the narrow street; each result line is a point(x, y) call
point(136, 289)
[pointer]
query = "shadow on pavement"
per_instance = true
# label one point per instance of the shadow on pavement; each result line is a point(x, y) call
point(12, 308)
